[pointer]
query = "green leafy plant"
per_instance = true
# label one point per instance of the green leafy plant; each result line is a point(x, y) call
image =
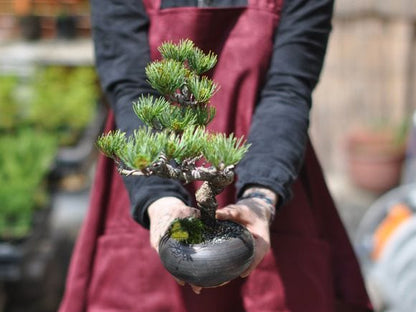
point(25, 159)
point(63, 101)
point(60, 103)
point(179, 116)
point(9, 108)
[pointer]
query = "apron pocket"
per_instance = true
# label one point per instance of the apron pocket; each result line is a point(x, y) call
point(294, 276)
point(128, 276)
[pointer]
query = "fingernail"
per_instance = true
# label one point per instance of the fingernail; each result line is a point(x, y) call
point(182, 283)
point(197, 290)
point(219, 215)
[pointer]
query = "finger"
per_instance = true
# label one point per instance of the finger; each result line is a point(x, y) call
point(229, 213)
point(196, 289)
point(245, 274)
point(196, 212)
point(180, 282)
point(225, 283)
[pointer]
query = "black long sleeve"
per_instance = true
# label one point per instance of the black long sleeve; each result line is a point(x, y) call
point(282, 113)
point(121, 54)
point(279, 129)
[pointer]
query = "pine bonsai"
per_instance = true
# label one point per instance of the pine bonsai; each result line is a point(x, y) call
point(175, 144)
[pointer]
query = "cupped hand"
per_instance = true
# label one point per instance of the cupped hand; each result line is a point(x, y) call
point(254, 214)
point(162, 213)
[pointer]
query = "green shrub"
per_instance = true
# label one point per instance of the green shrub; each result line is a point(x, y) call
point(9, 109)
point(25, 159)
point(64, 100)
point(59, 104)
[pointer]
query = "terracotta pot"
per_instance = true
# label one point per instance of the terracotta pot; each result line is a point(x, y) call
point(211, 263)
point(375, 160)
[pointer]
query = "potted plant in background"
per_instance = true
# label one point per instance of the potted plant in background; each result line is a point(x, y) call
point(64, 101)
point(26, 157)
point(204, 252)
point(376, 154)
point(48, 124)
point(66, 21)
point(29, 21)
point(33, 131)
point(9, 107)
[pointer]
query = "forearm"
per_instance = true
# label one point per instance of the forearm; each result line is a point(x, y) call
point(279, 131)
point(121, 54)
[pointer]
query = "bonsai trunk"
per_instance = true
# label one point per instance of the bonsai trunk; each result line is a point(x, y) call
point(206, 202)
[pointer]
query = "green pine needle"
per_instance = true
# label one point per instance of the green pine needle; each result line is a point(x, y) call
point(202, 88)
point(186, 145)
point(204, 114)
point(190, 144)
point(159, 114)
point(178, 52)
point(143, 148)
point(222, 151)
point(149, 110)
point(185, 50)
point(200, 62)
point(166, 76)
point(112, 144)
point(177, 119)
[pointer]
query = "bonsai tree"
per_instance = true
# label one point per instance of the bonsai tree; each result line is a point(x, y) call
point(175, 144)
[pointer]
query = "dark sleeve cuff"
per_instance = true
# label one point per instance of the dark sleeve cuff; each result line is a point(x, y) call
point(277, 180)
point(143, 191)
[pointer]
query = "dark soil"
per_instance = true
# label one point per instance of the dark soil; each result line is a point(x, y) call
point(223, 230)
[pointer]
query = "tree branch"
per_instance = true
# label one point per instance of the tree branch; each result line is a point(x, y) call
point(219, 178)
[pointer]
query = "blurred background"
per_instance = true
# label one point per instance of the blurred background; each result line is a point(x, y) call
point(363, 126)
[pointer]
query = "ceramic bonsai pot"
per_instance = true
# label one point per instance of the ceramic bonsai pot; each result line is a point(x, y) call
point(211, 263)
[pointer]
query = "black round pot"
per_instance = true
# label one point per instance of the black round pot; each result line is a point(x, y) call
point(211, 263)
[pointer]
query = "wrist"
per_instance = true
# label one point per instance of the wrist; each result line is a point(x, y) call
point(265, 196)
point(260, 192)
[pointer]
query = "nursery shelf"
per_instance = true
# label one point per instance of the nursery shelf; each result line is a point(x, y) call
point(22, 56)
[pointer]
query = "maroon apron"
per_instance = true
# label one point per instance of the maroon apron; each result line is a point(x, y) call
point(311, 266)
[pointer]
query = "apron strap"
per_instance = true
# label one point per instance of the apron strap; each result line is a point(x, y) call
point(152, 5)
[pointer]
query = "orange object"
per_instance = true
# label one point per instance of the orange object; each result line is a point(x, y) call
point(22, 7)
point(396, 216)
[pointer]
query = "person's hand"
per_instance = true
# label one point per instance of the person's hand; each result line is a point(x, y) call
point(162, 213)
point(255, 214)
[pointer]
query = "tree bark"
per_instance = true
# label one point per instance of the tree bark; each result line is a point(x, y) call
point(207, 203)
